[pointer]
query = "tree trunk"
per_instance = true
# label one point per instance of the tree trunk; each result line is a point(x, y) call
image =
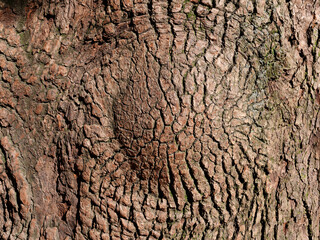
point(153, 119)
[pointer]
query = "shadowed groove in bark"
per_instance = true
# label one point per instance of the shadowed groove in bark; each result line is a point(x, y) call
point(16, 5)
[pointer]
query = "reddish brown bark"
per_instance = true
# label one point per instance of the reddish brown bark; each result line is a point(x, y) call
point(140, 119)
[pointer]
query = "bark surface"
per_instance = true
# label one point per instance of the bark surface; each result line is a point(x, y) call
point(153, 119)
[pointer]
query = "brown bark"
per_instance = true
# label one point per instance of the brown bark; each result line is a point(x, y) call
point(152, 119)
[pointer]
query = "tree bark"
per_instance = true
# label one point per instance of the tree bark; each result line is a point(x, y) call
point(153, 119)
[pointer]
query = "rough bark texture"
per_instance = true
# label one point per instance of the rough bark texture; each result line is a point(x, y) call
point(153, 119)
